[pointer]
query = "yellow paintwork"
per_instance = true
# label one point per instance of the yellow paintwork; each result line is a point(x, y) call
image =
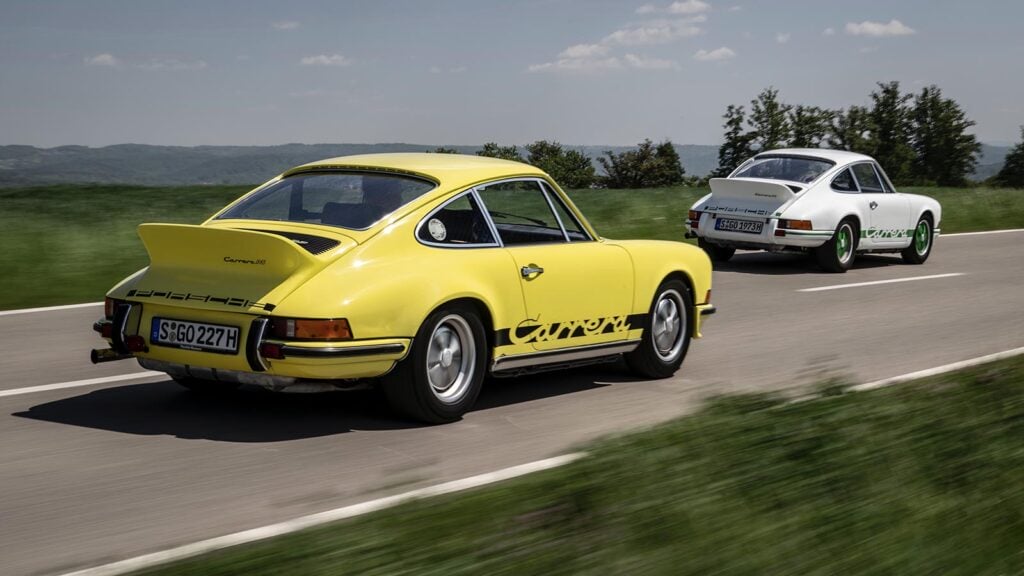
point(385, 282)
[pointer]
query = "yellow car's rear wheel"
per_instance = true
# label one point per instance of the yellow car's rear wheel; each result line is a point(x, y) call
point(441, 378)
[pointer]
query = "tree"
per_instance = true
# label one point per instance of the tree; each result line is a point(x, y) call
point(851, 130)
point(736, 147)
point(492, 150)
point(444, 150)
point(645, 166)
point(1012, 172)
point(570, 168)
point(810, 126)
point(891, 131)
point(768, 120)
point(945, 152)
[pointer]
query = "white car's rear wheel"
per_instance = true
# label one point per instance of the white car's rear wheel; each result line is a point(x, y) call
point(838, 253)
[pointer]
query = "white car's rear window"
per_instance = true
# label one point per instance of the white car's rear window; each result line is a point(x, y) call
point(789, 168)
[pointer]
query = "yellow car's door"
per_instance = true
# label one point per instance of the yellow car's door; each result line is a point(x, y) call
point(578, 291)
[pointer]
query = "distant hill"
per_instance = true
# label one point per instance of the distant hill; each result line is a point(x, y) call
point(186, 165)
point(144, 164)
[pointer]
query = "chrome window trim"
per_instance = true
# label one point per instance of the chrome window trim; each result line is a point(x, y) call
point(555, 197)
point(470, 192)
point(847, 168)
point(543, 184)
point(870, 163)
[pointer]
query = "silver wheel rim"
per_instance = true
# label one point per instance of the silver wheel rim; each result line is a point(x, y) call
point(451, 359)
point(668, 323)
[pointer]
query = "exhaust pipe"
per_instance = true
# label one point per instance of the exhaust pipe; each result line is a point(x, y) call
point(107, 355)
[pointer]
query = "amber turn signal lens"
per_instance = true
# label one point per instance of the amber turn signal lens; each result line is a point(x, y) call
point(694, 215)
point(795, 224)
point(305, 329)
point(108, 307)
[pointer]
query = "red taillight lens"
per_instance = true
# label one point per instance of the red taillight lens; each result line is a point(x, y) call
point(694, 215)
point(305, 329)
point(135, 343)
point(273, 351)
point(107, 330)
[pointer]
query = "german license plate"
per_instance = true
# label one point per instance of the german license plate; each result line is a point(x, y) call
point(194, 336)
point(732, 225)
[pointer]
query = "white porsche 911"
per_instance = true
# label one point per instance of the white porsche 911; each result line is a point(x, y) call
point(831, 203)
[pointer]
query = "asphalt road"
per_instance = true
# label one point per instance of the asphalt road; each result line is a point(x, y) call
point(95, 474)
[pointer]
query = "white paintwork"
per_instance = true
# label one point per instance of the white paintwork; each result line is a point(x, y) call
point(885, 219)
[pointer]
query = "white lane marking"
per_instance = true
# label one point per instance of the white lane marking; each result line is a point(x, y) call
point(876, 282)
point(77, 383)
point(939, 370)
point(981, 233)
point(301, 523)
point(48, 308)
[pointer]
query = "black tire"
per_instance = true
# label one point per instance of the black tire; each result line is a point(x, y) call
point(838, 254)
point(441, 377)
point(920, 242)
point(206, 387)
point(715, 252)
point(661, 352)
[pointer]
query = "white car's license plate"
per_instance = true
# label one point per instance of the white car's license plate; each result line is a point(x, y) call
point(194, 336)
point(731, 225)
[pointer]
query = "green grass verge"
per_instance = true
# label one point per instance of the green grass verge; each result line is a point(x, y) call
point(68, 244)
point(921, 478)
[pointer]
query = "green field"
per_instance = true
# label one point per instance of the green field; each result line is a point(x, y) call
point(69, 244)
point(918, 479)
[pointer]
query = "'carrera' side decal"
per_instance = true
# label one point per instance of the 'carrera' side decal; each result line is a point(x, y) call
point(529, 331)
point(876, 233)
point(227, 301)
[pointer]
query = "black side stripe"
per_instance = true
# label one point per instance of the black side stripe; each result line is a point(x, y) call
point(503, 337)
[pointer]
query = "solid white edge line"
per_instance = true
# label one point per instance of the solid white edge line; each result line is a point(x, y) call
point(981, 232)
point(303, 522)
point(876, 282)
point(48, 308)
point(77, 383)
point(939, 370)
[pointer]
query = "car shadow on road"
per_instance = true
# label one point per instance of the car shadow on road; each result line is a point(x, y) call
point(781, 264)
point(251, 414)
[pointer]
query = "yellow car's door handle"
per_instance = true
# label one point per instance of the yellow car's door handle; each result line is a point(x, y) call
point(531, 270)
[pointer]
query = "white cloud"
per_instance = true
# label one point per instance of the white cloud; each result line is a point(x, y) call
point(688, 7)
point(646, 63)
point(680, 7)
point(655, 32)
point(828, 32)
point(878, 29)
point(716, 55)
point(286, 25)
point(735, 8)
point(577, 65)
point(325, 60)
point(161, 64)
point(584, 51)
point(105, 59)
point(782, 37)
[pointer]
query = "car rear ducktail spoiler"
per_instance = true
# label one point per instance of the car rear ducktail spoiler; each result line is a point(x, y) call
point(753, 190)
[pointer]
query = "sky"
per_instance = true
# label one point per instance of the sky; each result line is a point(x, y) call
point(598, 72)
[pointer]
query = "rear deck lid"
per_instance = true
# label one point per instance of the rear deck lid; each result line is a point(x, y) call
point(218, 268)
point(749, 196)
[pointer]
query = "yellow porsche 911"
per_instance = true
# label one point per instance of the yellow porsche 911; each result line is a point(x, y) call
point(416, 272)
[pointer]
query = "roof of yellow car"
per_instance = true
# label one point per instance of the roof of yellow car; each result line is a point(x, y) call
point(448, 169)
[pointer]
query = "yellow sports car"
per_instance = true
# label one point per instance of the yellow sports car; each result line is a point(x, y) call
point(416, 272)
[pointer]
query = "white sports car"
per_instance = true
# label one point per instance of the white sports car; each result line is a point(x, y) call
point(831, 203)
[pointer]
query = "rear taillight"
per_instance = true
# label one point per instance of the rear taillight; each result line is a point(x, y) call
point(694, 217)
point(309, 329)
point(795, 224)
point(109, 304)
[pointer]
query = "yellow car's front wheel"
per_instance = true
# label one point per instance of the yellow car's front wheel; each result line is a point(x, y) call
point(441, 378)
point(666, 336)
